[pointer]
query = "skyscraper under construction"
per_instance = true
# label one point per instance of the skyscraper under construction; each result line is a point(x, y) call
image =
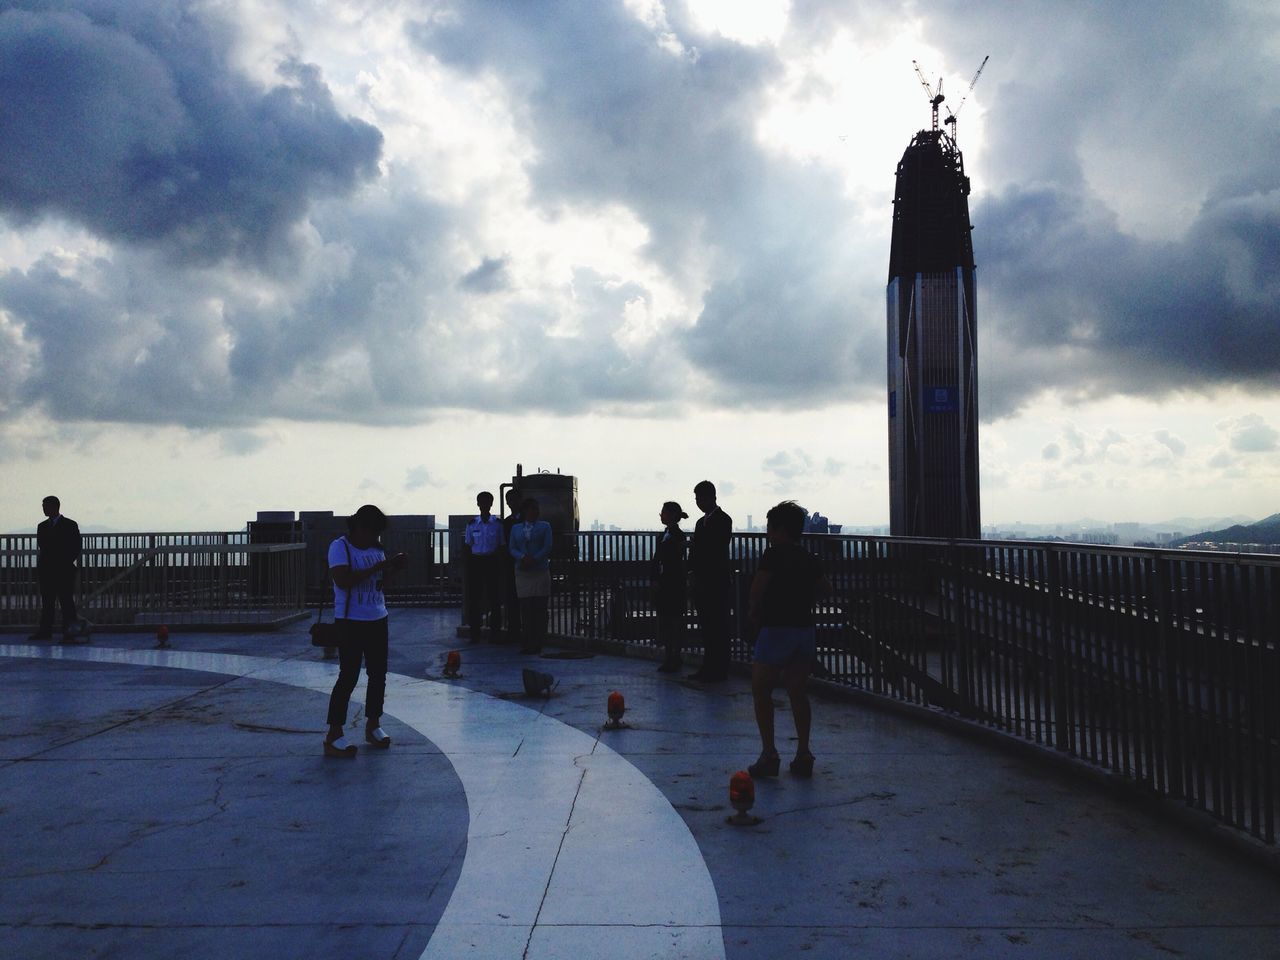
point(933, 350)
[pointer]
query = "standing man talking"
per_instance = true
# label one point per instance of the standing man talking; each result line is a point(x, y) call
point(709, 566)
point(58, 549)
point(484, 540)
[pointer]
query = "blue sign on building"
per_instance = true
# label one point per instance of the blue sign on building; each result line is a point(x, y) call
point(942, 400)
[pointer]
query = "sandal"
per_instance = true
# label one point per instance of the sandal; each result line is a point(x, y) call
point(341, 747)
point(378, 737)
point(765, 767)
point(802, 766)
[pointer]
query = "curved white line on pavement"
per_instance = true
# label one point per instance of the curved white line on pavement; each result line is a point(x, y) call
point(571, 851)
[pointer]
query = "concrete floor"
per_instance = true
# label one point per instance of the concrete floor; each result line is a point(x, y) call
point(152, 809)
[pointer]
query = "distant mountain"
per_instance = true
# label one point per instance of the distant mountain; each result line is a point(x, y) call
point(1264, 531)
point(1201, 523)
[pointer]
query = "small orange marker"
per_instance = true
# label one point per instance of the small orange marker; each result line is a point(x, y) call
point(452, 664)
point(742, 797)
point(162, 637)
point(617, 707)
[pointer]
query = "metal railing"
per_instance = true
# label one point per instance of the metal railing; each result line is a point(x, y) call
point(1158, 666)
point(139, 580)
point(432, 578)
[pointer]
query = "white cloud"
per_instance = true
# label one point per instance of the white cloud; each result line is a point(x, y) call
point(1250, 434)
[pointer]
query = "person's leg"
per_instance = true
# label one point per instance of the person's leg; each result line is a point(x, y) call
point(475, 592)
point(764, 678)
point(48, 600)
point(539, 622)
point(375, 668)
point(717, 661)
point(702, 604)
point(67, 598)
point(527, 618)
point(493, 593)
point(796, 678)
point(512, 624)
point(669, 639)
point(349, 658)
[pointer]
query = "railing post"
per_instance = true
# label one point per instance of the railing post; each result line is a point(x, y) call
point(1057, 643)
point(960, 606)
point(1173, 761)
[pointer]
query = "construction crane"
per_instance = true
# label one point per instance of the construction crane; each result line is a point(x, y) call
point(951, 117)
point(935, 99)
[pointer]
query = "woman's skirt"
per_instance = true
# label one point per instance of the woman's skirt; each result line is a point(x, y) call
point(533, 583)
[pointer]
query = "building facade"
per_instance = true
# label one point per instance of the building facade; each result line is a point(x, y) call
point(933, 350)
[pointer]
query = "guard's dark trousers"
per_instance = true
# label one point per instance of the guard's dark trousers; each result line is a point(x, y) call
point(57, 587)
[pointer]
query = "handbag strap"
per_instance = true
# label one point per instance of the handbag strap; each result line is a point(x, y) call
point(346, 607)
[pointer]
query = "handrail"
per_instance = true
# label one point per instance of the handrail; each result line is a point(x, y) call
point(1157, 665)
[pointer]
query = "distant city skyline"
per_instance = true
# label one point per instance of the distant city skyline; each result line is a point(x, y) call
point(313, 255)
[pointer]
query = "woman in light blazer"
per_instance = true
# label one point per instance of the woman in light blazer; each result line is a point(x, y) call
point(530, 548)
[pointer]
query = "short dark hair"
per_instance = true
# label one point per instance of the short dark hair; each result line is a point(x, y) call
point(705, 486)
point(788, 516)
point(484, 495)
point(51, 499)
point(513, 494)
point(369, 517)
point(528, 502)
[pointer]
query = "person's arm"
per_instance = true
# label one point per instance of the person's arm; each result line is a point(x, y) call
point(393, 564)
point(545, 539)
point(725, 533)
point(518, 545)
point(77, 543)
point(345, 577)
point(467, 537)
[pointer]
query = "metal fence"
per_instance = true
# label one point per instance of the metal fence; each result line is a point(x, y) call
point(432, 578)
point(140, 580)
point(1158, 666)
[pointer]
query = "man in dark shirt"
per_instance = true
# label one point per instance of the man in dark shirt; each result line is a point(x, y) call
point(712, 586)
point(58, 548)
point(512, 602)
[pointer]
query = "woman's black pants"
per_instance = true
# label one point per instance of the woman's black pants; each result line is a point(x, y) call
point(362, 640)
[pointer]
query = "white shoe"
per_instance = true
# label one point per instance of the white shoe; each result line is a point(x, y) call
point(342, 747)
point(378, 737)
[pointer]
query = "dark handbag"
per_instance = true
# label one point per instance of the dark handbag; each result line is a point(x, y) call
point(331, 634)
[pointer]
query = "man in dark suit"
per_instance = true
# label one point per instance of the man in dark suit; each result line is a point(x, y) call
point(709, 565)
point(58, 549)
point(512, 602)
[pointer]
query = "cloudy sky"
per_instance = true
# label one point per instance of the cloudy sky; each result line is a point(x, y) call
point(260, 254)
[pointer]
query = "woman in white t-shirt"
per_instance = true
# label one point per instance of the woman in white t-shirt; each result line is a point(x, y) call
point(358, 566)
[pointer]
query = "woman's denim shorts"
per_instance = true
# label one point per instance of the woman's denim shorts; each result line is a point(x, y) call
point(782, 646)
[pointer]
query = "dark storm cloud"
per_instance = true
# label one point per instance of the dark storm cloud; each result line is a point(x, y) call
point(128, 119)
point(125, 117)
point(1074, 303)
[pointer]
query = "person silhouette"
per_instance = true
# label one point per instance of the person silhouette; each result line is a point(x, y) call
point(709, 567)
point(358, 566)
point(484, 540)
point(667, 573)
point(58, 549)
point(780, 618)
point(530, 548)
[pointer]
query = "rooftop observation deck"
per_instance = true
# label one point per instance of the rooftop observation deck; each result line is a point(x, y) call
point(175, 802)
